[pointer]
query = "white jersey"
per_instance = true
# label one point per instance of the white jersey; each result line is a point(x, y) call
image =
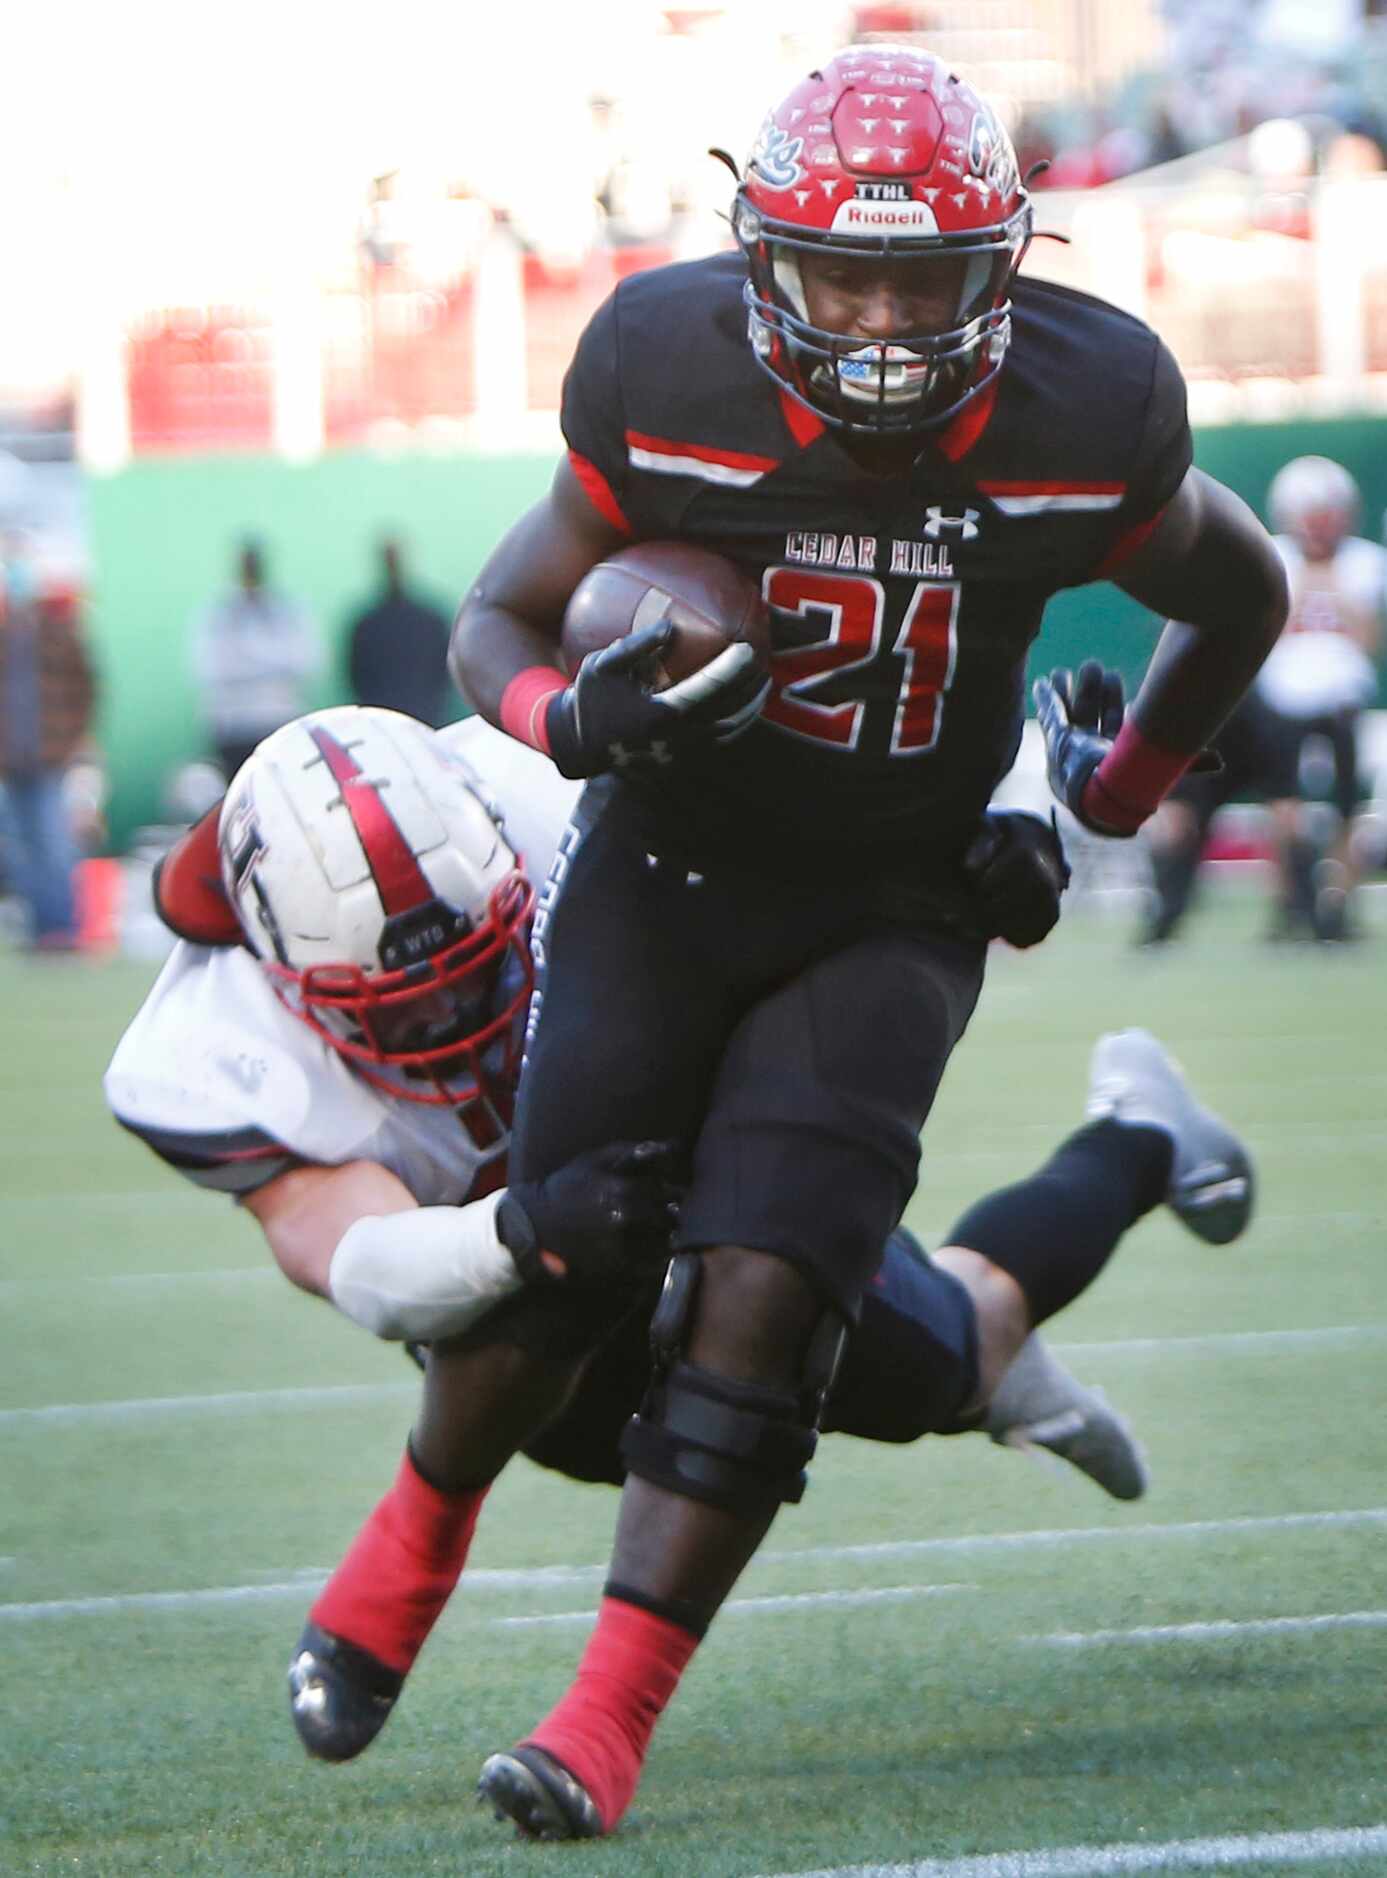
point(231, 1088)
point(1318, 665)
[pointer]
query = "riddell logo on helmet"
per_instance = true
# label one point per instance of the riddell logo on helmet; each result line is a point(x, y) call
point(857, 217)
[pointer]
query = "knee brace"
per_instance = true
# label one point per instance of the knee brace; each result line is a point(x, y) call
point(737, 1445)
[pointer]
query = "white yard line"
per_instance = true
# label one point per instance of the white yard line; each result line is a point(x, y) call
point(1083, 1535)
point(222, 1274)
point(304, 1584)
point(1231, 1342)
point(1211, 1632)
point(546, 1577)
point(1322, 1846)
point(890, 1594)
point(65, 1414)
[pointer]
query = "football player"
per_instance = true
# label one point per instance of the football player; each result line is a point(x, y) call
point(765, 942)
point(336, 1048)
point(1320, 676)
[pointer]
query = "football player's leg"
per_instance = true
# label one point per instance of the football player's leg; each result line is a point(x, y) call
point(1149, 1142)
point(1295, 851)
point(369, 1623)
point(1337, 874)
point(624, 965)
point(808, 1154)
point(945, 1346)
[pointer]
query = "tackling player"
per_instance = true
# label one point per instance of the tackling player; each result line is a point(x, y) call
point(910, 451)
point(338, 1052)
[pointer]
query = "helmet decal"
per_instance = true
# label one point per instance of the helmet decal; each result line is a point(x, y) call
point(777, 156)
point(990, 154)
point(399, 879)
point(244, 847)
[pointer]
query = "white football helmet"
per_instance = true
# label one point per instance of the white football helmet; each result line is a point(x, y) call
point(384, 904)
point(1315, 501)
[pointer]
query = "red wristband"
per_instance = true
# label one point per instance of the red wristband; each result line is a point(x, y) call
point(525, 701)
point(1132, 780)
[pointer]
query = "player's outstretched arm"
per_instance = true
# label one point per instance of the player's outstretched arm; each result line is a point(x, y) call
point(1213, 570)
point(356, 1235)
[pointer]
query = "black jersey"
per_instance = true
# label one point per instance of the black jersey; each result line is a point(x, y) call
point(902, 605)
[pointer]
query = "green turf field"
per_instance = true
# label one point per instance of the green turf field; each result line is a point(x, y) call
point(1023, 1680)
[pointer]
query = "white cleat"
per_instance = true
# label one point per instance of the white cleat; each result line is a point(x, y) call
point(1133, 1079)
point(1039, 1407)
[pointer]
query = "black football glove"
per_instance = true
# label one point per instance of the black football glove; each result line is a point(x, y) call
point(1079, 721)
point(609, 718)
point(1016, 867)
point(605, 1216)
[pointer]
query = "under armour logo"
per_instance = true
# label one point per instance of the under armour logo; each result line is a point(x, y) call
point(937, 523)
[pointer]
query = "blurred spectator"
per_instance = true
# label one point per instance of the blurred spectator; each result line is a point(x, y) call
point(255, 653)
point(47, 691)
point(1320, 676)
point(397, 651)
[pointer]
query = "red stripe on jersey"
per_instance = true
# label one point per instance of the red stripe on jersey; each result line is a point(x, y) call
point(804, 425)
point(399, 879)
point(729, 459)
point(598, 491)
point(958, 437)
point(1053, 489)
point(1126, 546)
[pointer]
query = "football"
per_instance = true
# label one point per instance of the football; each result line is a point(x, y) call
point(712, 604)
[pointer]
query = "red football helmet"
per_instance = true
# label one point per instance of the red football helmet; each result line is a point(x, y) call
point(884, 154)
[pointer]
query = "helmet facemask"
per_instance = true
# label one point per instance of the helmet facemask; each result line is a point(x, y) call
point(445, 1030)
point(911, 382)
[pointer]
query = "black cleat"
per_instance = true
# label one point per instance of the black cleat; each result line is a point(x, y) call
point(544, 1800)
point(340, 1696)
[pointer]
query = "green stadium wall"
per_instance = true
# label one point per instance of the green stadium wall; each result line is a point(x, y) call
point(164, 534)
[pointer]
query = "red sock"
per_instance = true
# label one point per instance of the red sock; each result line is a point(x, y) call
point(601, 1729)
point(390, 1589)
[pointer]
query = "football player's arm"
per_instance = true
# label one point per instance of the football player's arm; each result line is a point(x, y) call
point(1211, 568)
point(505, 652)
point(305, 1212)
point(355, 1234)
point(509, 622)
point(1375, 619)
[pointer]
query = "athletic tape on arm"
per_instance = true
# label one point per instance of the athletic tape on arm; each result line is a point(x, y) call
point(424, 1274)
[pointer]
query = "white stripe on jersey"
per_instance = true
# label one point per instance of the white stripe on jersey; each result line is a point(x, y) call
point(664, 465)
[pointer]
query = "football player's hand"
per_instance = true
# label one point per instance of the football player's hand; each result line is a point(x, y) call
point(1016, 867)
point(603, 1217)
point(609, 718)
point(1079, 719)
